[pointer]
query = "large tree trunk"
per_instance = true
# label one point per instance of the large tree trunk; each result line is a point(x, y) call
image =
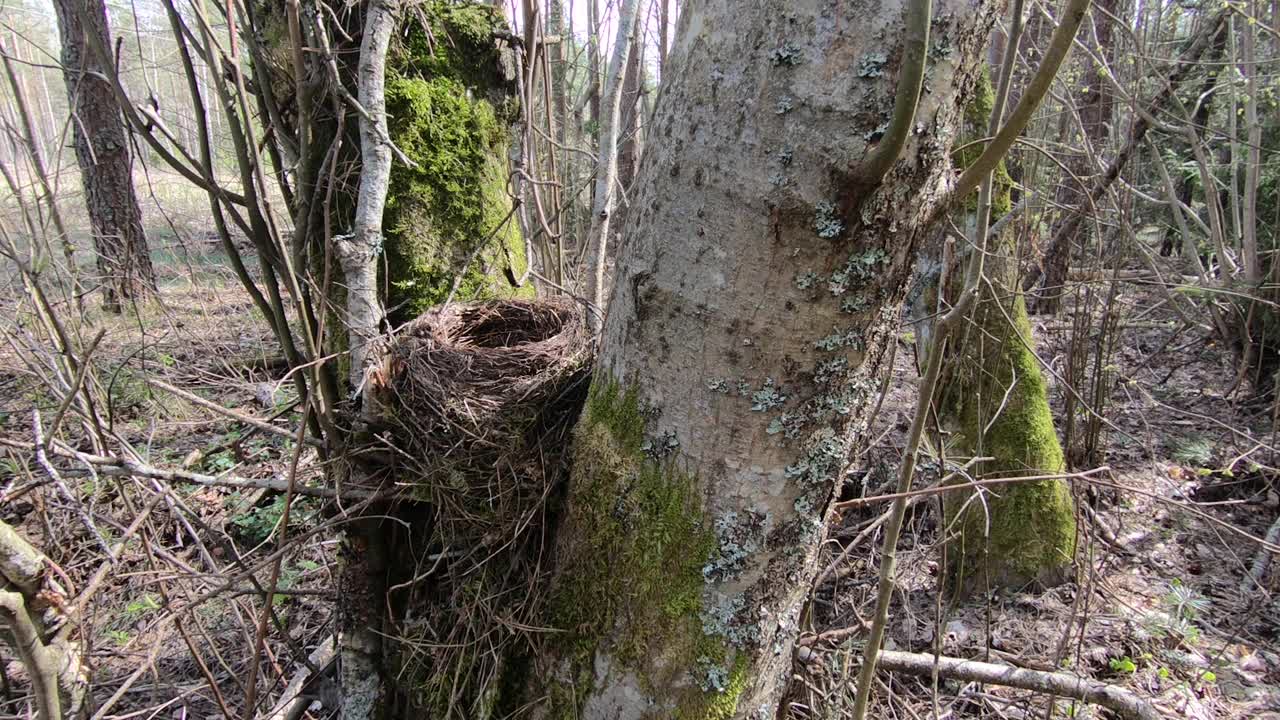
point(102, 151)
point(756, 296)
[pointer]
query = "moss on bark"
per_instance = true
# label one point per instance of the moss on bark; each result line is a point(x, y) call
point(998, 403)
point(1002, 409)
point(449, 104)
point(629, 591)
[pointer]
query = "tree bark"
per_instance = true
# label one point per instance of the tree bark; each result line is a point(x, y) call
point(755, 300)
point(358, 253)
point(363, 575)
point(103, 154)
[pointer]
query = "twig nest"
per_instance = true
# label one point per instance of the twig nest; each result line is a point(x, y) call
point(477, 386)
point(483, 396)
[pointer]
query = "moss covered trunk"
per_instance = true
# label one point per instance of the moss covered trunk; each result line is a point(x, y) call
point(451, 98)
point(756, 295)
point(445, 231)
point(997, 403)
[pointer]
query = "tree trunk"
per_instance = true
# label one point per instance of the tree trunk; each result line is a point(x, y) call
point(106, 163)
point(451, 101)
point(607, 163)
point(755, 299)
point(631, 123)
point(363, 576)
point(997, 404)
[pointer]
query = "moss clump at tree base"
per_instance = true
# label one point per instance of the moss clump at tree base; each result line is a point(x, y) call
point(1022, 532)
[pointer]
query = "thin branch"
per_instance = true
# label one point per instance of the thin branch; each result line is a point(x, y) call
point(1059, 46)
point(910, 82)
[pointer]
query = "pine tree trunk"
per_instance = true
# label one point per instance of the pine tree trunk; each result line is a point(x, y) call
point(755, 299)
point(103, 153)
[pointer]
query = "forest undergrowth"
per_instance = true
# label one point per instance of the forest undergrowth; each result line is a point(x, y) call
point(1170, 598)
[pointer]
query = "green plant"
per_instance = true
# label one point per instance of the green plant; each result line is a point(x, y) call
point(259, 523)
point(139, 607)
point(1196, 451)
point(1124, 665)
point(219, 462)
point(1179, 609)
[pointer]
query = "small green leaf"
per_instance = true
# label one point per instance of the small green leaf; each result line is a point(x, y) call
point(1124, 665)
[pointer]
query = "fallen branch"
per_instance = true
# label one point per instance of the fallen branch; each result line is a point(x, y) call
point(295, 699)
point(32, 607)
point(40, 662)
point(122, 467)
point(241, 417)
point(38, 443)
point(1119, 700)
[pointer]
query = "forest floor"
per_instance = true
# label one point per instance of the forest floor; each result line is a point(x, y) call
point(154, 634)
point(1162, 602)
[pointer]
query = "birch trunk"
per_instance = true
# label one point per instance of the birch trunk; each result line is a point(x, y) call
point(358, 252)
point(607, 163)
point(755, 300)
point(364, 686)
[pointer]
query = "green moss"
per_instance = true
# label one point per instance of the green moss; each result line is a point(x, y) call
point(448, 106)
point(977, 113)
point(997, 400)
point(721, 705)
point(460, 46)
point(1031, 525)
point(633, 543)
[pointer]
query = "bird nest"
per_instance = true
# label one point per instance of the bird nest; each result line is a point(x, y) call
point(482, 397)
point(476, 387)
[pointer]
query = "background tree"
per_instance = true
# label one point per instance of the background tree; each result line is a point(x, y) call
point(105, 156)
